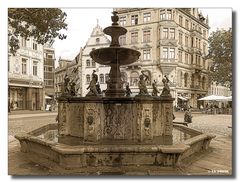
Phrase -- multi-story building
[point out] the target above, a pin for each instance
(49, 67)
(219, 90)
(172, 42)
(68, 67)
(59, 75)
(25, 76)
(97, 40)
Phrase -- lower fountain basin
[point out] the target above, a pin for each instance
(73, 152)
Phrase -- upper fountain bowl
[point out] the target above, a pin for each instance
(115, 55)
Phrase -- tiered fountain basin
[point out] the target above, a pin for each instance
(114, 132)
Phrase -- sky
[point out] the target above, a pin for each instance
(81, 22)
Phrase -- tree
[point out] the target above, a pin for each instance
(43, 24)
(220, 52)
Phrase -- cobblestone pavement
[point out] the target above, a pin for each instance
(216, 161)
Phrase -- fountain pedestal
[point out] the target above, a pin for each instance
(109, 120)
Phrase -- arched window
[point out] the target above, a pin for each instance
(88, 63)
(185, 79)
(106, 78)
(192, 81)
(181, 79)
(88, 78)
(101, 78)
(134, 78)
(203, 82)
(97, 40)
(199, 81)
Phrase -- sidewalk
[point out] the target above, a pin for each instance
(27, 114)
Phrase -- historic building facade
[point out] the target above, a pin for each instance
(49, 67)
(96, 40)
(72, 68)
(172, 42)
(25, 76)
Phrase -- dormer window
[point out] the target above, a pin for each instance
(97, 40)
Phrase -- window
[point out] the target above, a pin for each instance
(165, 33)
(34, 68)
(134, 37)
(193, 26)
(186, 58)
(186, 40)
(180, 38)
(187, 24)
(134, 19)
(97, 40)
(35, 46)
(146, 36)
(122, 21)
(162, 15)
(185, 79)
(146, 17)
(171, 53)
(88, 63)
(49, 56)
(93, 63)
(24, 66)
(101, 78)
(134, 79)
(204, 33)
(106, 78)
(122, 40)
(146, 54)
(180, 56)
(172, 33)
(169, 15)
(88, 79)
(191, 59)
(180, 20)
(48, 69)
(165, 52)
(23, 42)
(204, 49)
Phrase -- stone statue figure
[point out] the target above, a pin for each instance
(143, 78)
(188, 116)
(166, 88)
(155, 90)
(92, 86)
(128, 91)
(98, 88)
(72, 88)
(66, 83)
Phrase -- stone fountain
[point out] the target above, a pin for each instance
(115, 130)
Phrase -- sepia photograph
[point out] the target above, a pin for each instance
(120, 91)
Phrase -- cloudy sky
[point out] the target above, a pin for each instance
(81, 21)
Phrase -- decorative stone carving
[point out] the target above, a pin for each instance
(155, 90)
(62, 126)
(166, 88)
(143, 78)
(92, 86)
(92, 121)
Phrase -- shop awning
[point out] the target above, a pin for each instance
(182, 98)
(47, 97)
(213, 97)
